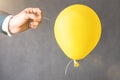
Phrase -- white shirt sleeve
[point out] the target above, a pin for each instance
(5, 25)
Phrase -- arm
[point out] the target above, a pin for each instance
(26, 19)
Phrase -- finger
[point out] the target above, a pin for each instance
(39, 15)
(31, 10)
(35, 18)
(34, 11)
(38, 18)
(28, 10)
(35, 14)
(38, 12)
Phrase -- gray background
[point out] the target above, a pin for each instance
(35, 55)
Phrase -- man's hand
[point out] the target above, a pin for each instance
(28, 18)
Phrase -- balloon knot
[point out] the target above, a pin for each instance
(76, 64)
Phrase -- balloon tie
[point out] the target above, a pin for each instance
(76, 64)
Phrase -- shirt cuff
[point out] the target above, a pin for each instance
(5, 25)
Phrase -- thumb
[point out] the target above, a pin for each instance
(33, 24)
(31, 16)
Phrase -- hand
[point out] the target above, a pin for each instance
(26, 19)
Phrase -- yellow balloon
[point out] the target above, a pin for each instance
(77, 31)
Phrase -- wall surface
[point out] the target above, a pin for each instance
(35, 55)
